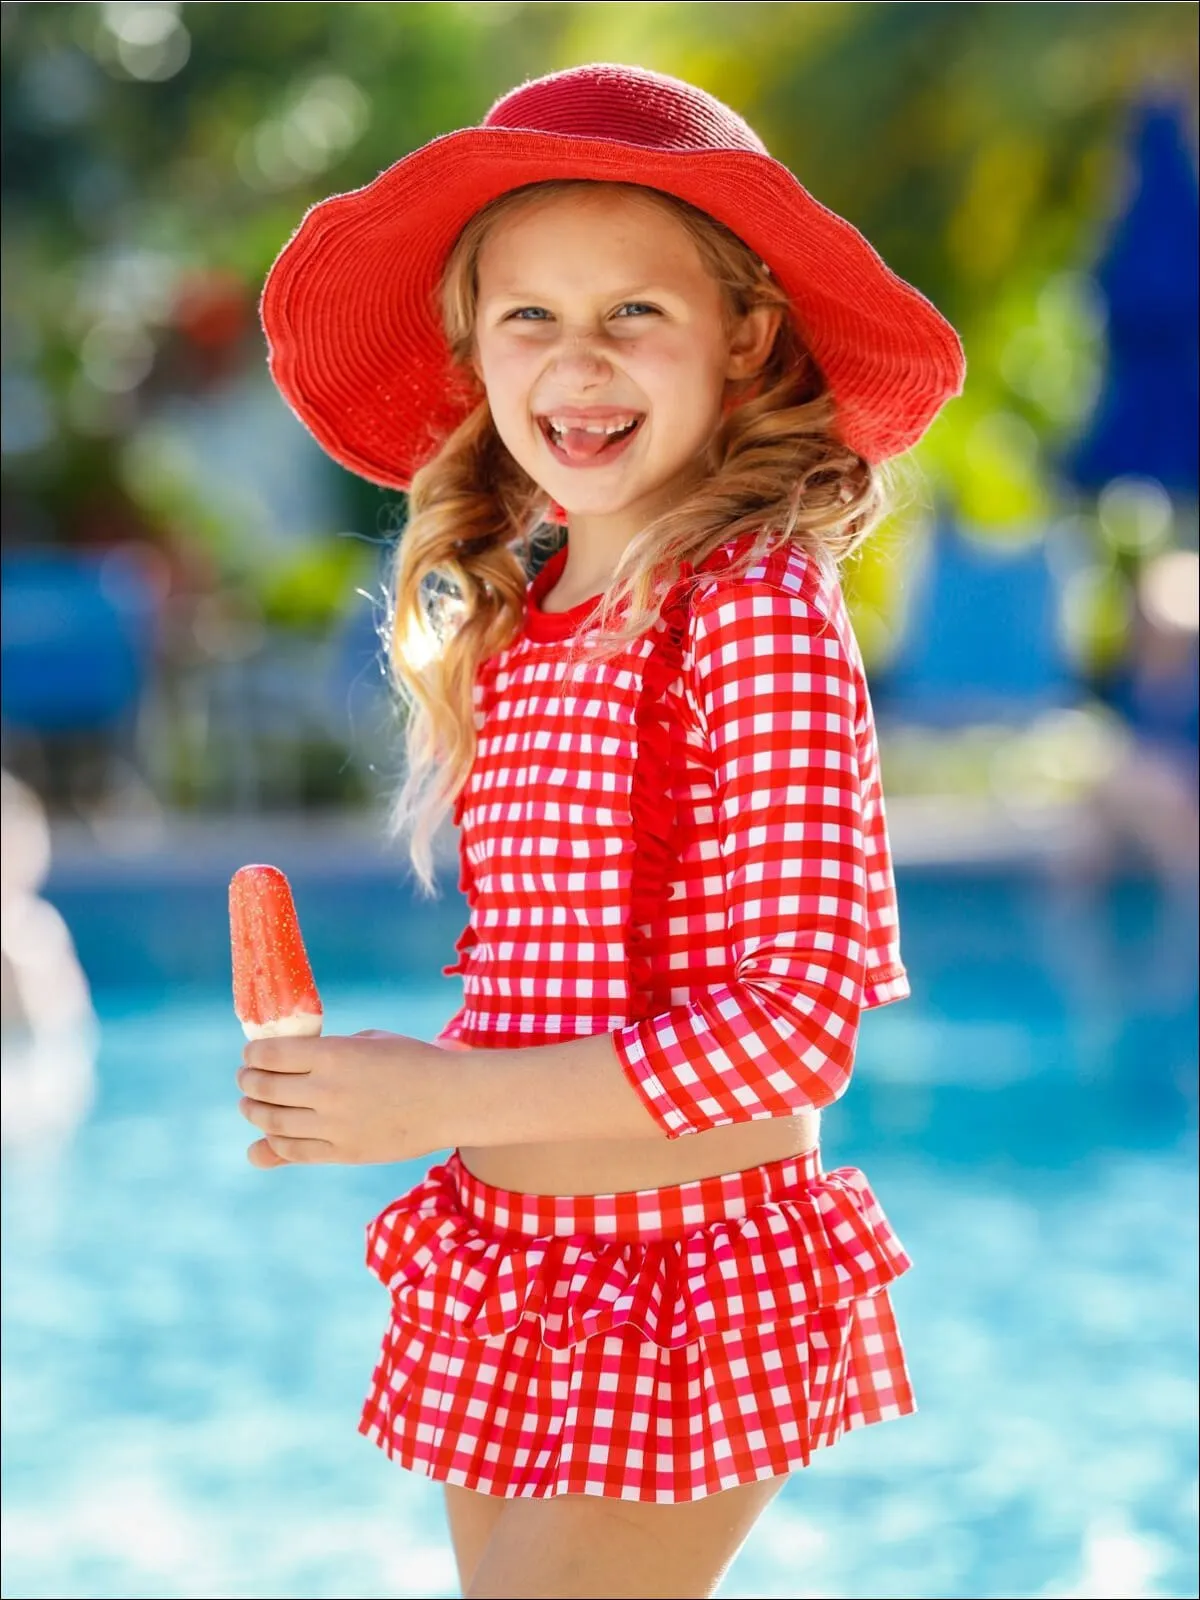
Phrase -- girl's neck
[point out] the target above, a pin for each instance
(595, 546)
(596, 543)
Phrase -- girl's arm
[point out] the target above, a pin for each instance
(574, 1089)
(386, 1097)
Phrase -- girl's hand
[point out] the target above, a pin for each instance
(371, 1097)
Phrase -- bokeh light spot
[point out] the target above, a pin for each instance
(1135, 515)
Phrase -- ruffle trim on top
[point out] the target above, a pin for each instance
(652, 805)
(827, 1245)
(652, 808)
(468, 938)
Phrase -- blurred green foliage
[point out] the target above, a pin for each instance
(157, 156)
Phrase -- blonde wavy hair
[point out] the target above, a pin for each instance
(477, 523)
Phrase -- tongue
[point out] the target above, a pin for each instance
(581, 445)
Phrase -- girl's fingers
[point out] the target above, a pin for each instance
(297, 1122)
(275, 1088)
(261, 1155)
(308, 1151)
(283, 1055)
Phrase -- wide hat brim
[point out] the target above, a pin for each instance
(352, 316)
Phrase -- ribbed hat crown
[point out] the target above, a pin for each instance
(626, 105)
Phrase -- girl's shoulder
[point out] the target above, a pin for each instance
(786, 569)
(785, 591)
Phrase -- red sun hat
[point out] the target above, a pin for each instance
(351, 306)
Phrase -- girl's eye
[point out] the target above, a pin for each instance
(631, 308)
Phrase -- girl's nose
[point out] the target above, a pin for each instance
(581, 359)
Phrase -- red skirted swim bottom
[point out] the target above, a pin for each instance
(656, 1344)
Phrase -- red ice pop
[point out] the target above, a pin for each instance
(273, 989)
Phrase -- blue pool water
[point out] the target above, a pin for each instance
(186, 1341)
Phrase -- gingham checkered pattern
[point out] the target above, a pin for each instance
(659, 1344)
(779, 925)
(663, 1344)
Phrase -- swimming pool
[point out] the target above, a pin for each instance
(186, 1341)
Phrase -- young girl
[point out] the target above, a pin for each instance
(630, 1302)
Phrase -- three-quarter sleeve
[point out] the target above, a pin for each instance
(778, 695)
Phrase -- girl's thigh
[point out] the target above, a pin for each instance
(583, 1545)
(472, 1518)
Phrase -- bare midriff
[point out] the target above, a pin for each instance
(605, 1166)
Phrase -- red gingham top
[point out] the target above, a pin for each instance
(685, 846)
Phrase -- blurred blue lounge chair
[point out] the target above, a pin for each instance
(982, 642)
(77, 634)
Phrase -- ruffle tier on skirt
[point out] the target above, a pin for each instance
(657, 1344)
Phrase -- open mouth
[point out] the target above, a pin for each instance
(579, 443)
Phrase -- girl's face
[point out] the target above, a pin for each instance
(606, 349)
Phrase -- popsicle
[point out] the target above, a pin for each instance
(273, 989)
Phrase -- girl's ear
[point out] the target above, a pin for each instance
(752, 340)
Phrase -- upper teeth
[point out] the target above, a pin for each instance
(560, 425)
